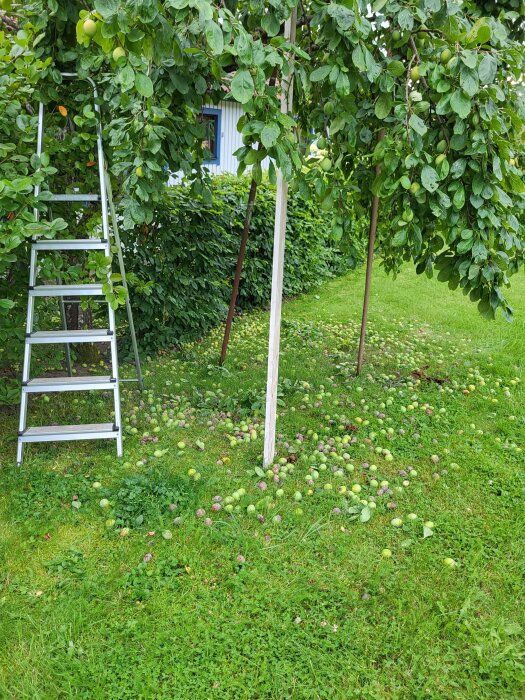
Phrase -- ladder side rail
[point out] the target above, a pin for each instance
(105, 228)
(116, 389)
(39, 150)
(26, 365)
(63, 318)
(101, 167)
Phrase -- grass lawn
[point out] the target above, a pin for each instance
(227, 582)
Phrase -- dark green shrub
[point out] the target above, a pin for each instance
(188, 255)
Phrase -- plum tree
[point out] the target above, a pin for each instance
(389, 71)
(436, 79)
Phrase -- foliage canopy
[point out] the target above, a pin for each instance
(441, 82)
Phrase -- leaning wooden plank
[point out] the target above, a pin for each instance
(281, 206)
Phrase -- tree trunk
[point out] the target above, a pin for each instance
(238, 270)
(374, 214)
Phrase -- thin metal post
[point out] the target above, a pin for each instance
(66, 346)
(124, 281)
(281, 206)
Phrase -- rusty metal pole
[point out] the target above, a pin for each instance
(238, 270)
(374, 215)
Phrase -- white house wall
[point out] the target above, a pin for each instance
(230, 141)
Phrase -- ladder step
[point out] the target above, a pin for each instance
(71, 244)
(43, 384)
(53, 433)
(66, 290)
(74, 198)
(100, 335)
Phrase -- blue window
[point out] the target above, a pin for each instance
(211, 118)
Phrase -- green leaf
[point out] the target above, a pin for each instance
(459, 197)
(342, 86)
(443, 169)
(270, 134)
(214, 37)
(429, 179)
(143, 85)
(366, 514)
(6, 304)
(442, 86)
(479, 33)
(485, 309)
(473, 271)
(516, 182)
(443, 106)
(270, 24)
(460, 104)
(373, 70)
(107, 8)
(126, 77)
(469, 81)
(418, 125)
(464, 246)
(405, 19)
(358, 58)
(458, 168)
(320, 73)
(244, 46)
(383, 106)
(205, 9)
(400, 238)
(344, 17)
(496, 168)
(242, 86)
(469, 58)
(427, 532)
(488, 68)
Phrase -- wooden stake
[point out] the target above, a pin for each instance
(281, 206)
(238, 270)
(374, 215)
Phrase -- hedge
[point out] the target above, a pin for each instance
(186, 258)
(181, 269)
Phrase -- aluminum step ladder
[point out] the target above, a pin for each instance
(109, 242)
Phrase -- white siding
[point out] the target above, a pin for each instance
(230, 141)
